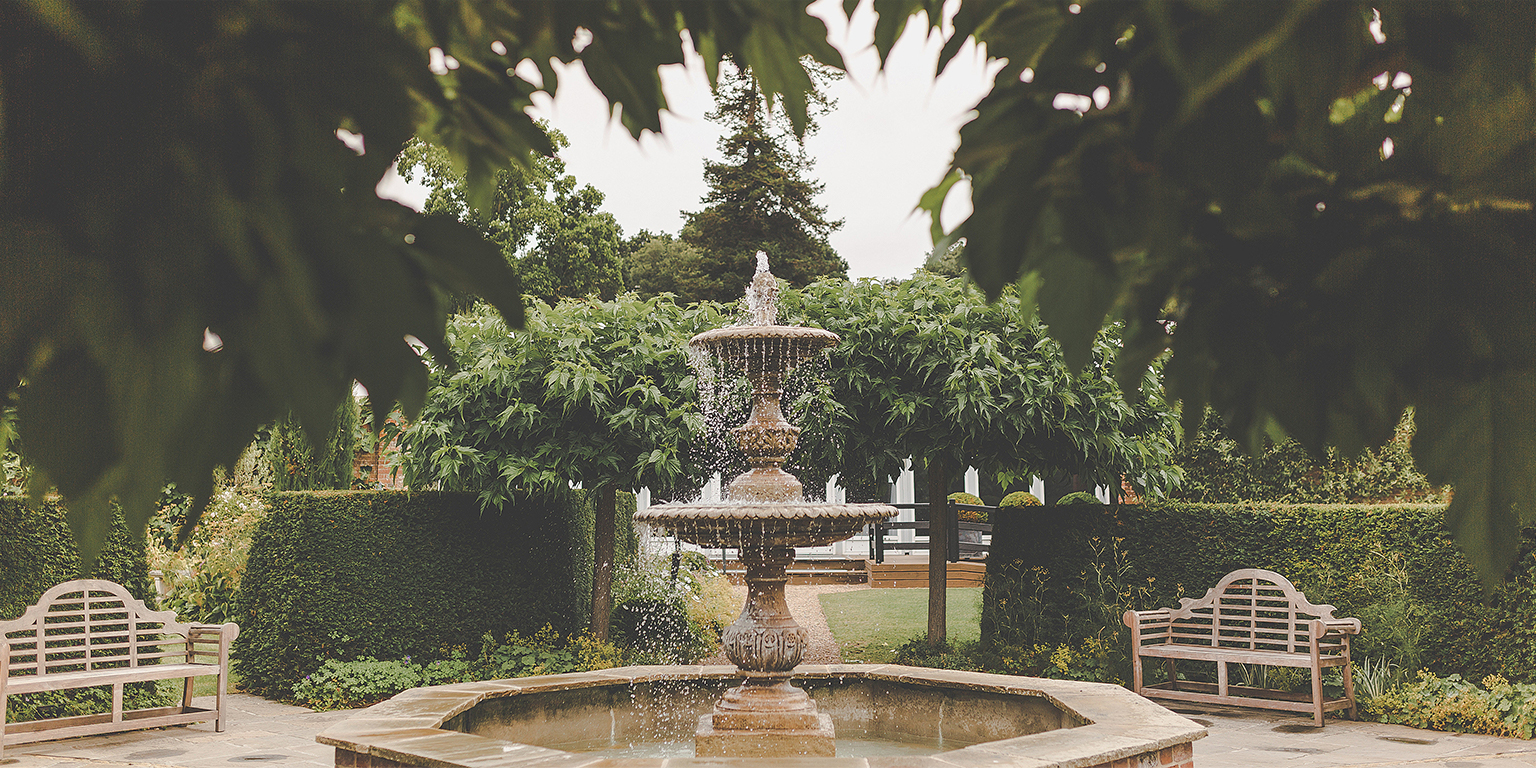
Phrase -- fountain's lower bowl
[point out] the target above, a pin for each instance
(798, 524)
(893, 714)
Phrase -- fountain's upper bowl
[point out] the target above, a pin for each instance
(768, 524)
(758, 347)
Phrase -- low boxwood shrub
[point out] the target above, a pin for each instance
(1020, 499)
(1076, 498)
(975, 516)
(389, 574)
(37, 551)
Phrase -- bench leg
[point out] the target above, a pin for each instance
(2, 715)
(1136, 674)
(186, 693)
(218, 706)
(1173, 673)
(1221, 679)
(117, 702)
(1349, 689)
(1317, 696)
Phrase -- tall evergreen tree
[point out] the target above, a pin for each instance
(761, 196)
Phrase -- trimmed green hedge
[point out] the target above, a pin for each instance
(1393, 566)
(390, 574)
(38, 551)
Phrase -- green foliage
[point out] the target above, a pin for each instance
(652, 628)
(761, 197)
(1330, 247)
(1020, 499)
(1453, 704)
(663, 264)
(14, 472)
(364, 681)
(1095, 660)
(1077, 497)
(204, 573)
(927, 368)
(38, 552)
(548, 228)
(1216, 469)
(220, 198)
(599, 393)
(664, 619)
(351, 684)
(342, 575)
(297, 465)
(944, 259)
(1392, 566)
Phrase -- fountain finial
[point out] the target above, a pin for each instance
(763, 295)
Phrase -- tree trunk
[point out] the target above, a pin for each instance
(602, 559)
(939, 533)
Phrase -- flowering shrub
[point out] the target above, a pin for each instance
(1449, 703)
(204, 573)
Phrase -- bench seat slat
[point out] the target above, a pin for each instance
(1238, 656)
(66, 680)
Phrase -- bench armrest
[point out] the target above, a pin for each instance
(1324, 627)
(1141, 621)
(223, 634)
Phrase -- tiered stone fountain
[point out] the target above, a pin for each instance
(969, 717)
(766, 516)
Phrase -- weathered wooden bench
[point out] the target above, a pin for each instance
(1251, 616)
(91, 632)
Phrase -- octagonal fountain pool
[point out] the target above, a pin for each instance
(885, 715)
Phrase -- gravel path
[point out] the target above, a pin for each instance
(805, 605)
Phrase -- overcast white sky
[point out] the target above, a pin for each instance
(889, 140)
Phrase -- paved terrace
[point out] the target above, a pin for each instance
(261, 732)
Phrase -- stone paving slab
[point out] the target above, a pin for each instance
(263, 733)
(1248, 738)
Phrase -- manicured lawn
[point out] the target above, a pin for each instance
(870, 623)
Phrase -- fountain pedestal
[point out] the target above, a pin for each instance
(765, 716)
(766, 517)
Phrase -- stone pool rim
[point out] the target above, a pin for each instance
(407, 729)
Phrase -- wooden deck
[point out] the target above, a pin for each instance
(911, 571)
(818, 571)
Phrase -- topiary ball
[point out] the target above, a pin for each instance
(1020, 499)
(975, 516)
(1079, 497)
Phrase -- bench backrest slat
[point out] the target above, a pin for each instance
(91, 624)
(1251, 609)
